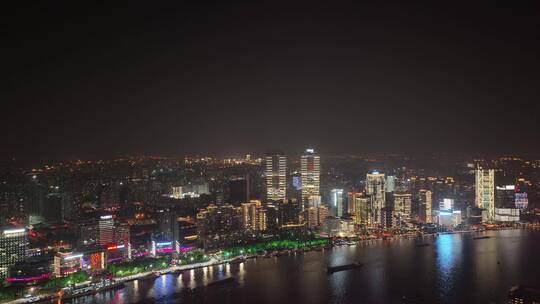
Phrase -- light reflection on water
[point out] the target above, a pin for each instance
(454, 269)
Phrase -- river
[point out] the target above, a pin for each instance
(454, 268)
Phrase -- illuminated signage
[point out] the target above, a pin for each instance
(507, 187)
(106, 217)
(114, 247)
(71, 257)
(164, 244)
(13, 231)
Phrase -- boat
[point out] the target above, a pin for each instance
(222, 282)
(332, 269)
(481, 237)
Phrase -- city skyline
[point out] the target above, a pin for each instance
(270, 152)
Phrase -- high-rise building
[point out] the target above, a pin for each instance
(312, 215)
(375, 182)
(505, 204)
(310, 169)
(336, 207)
(238, 190)
(390, 185)
(402, 207)
(253, 216)
(106, 230)
(219, 226)
(323, 213)
(362, 209)
(167, 225)
(351, 198)
(426, 205)
(276, 176)
(485, 191)
(51, 208)
(13, 247)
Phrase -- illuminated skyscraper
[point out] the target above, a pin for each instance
(310, 170)
(106, 230)
(336, 207)
(13, 246)
(276, 174)
(362, 209)
(375, 188)
(485, 191)
(253, 215)
(402, 207)
(351, 201)
(426, 204)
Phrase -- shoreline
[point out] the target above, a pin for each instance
(244, 257)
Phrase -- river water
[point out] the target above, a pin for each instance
(455, 268)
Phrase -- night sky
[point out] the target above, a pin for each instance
(183, 78)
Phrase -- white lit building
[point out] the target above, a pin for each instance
(13, 247)
(106, 230)
(402, 207)
(426, 204)
(276, 176)
(375, 187)
(485, 191)
(336, 196)
(310, 170)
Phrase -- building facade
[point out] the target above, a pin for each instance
(310, 169)
(276, 176)
(485, 191)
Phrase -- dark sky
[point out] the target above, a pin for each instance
(172, 78)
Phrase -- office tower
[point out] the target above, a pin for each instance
(238, 190)
(336, 207)
(485, 191)
(323, 214)
(426, 205)
(362, 210)
(276, 176)
(106, 230)
(402, 207)
(505, 196)
(505, 204)
(310, 170)
(13, 247)
(375, 182)
(167, 225)
(351, 198)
